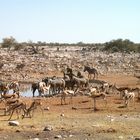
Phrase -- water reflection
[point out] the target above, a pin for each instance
(26, 90)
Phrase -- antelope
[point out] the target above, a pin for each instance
(32, 107)
(16, 106)
(66, 93)
(8, 103)
(94, 94)
(6, 96)
(128, 95)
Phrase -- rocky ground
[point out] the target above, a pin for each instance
(75, 121)
(25, 65)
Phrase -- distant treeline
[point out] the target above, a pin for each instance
(118, 45)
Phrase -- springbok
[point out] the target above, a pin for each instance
(66, 93)
(18, 106)
(32, 107)
(94, 94)
(128, 95)
(41, 86)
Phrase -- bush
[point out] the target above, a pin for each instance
(120, 45)
(8, 42)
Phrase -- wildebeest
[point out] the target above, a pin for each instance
(91, 71)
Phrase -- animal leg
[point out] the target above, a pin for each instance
(34, 92)
(11, 114)
(94, 76)
(126, 102)
(94, 105)
(105, 102)
(61, 100)
(71, 99)
(65, 100)
(17, 112)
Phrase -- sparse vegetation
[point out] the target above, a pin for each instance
(118, 45)
(8, 42)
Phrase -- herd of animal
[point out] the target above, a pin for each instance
(13, 102)
(69, 85)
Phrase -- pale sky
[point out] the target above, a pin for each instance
(70, 21)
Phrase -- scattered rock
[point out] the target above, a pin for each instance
(35, 139)
(137, 138)
(17, 130)
(120, 137)
(1, 129)
(47, 108)
(62, 115)
(13, 123)
(32, 126)
(58, 137)
(65, 136)
(37, 134)
(74, 108)
(125, 116)
(48, 128)
(70, 136)
(111, 130)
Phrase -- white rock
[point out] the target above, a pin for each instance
(62, 115)
(120, 137)
(35, 139)
(48, 128)
(13, 123)
(48, 108)
(70, 136)
(58, 137)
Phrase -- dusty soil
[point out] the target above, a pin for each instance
(78, 121)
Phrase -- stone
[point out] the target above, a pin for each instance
(70, 136)
(137, 138)
(13, 123)
(62, 115)
(47, 108)
(58, 137)
(48, 128)
(120, 137)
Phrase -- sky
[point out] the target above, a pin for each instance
(70, 21)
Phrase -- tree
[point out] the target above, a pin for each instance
(120, 45)
(8, 42)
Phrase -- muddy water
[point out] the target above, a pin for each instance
(26, 90)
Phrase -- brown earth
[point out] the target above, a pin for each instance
(78, 121)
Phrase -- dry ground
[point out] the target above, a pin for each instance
(78, 121)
